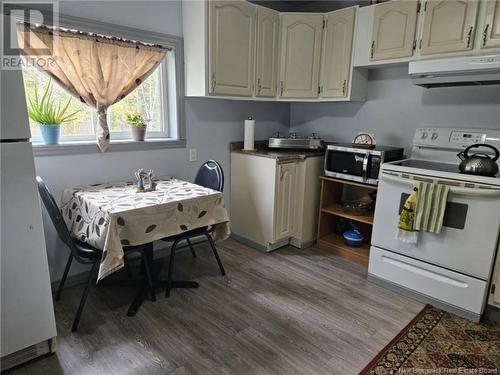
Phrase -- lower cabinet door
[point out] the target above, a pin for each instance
(285, 200)
(495, 285)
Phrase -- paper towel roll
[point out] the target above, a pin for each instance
(248, 143)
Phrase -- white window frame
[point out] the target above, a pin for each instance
(172, 95)
(125, 135)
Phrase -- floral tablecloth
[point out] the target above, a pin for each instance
(110, 216)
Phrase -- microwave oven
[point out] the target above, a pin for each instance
(358, 164)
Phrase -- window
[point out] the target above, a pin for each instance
(149, 99)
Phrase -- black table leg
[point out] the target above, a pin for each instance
(157, 283)
(143, 292)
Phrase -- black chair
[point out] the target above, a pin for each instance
(210, 175)
(84, 253)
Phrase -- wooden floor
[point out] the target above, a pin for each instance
(288, 312)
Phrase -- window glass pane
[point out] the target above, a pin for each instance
(145, 99)
(80, 126)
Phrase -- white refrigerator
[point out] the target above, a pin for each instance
(27, 314)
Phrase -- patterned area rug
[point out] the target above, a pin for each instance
(437, 342)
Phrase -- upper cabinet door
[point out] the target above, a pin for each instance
(491, 28)
(448, 26)
(300, 55)
(268, 22)
(337, 50)
(231, 47)
(394, 26)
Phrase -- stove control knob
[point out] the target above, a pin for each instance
(434, 136)
(424, 135)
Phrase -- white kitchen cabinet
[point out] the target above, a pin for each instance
(385, 33)
(393, 35)
(337, 51)
(268, 30)
(232, 28)
(219, 48)
(448, 26)
(490, 31)
(301, 35)
(274, 203)
(494, 295)
(238, 50)
(285, 200)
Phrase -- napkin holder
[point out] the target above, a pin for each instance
(145, 181)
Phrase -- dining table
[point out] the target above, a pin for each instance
(114, 215)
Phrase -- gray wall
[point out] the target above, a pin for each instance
(395, 108)
(210, 124)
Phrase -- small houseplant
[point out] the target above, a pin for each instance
(138, 125)
(49, 115)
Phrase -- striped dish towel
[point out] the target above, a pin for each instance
(430, 207)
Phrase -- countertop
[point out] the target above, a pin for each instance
(262, 150)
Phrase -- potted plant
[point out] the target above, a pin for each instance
(49, 115)
(138, 125)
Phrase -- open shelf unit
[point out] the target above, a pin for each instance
(331, 211)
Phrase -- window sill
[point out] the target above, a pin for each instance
(90, 147)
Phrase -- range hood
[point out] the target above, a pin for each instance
(457, 71)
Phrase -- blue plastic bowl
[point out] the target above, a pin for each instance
(353, 238)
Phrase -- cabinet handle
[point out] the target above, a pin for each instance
(469, 36)
(372, 49)
(213, 82)
(485, 34)
(281, 88)
(259, 86)
(344, 85)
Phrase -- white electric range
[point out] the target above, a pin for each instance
(451, 270)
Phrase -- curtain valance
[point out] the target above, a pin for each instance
(98, 70)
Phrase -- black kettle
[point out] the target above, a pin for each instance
(479, 163)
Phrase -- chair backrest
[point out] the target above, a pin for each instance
(210, 175)
(56, 217)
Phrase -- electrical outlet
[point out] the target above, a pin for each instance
(193, 154)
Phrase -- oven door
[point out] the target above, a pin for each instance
(345, 163)
(469, 237)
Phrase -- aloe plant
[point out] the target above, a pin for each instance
(46, 110)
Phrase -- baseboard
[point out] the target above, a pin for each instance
(424, 298)
(81, 277)
(27, 354)
(295, 242)
(492, 314)
(257, 246)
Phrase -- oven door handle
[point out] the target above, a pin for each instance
(477, 192)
